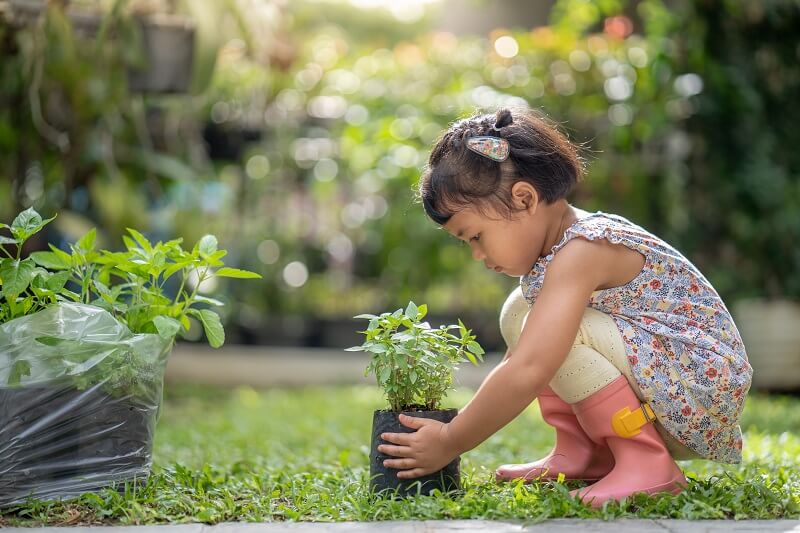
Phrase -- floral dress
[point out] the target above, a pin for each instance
(684, 349)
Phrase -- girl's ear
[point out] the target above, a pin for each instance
(524, 196)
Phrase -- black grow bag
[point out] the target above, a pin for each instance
(60, 442)
(384, 480)
(79, 402)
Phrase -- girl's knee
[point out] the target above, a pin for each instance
(512, 317)
(583, 372)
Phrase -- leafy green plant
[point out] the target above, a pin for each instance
(412, 361)
(25, 287)
(131, 284)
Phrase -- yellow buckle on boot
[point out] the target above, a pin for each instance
(627, 423)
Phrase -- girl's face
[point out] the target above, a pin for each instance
(509, 246)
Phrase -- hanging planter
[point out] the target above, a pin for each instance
(168, 54)
(414, 365)
(165, 41)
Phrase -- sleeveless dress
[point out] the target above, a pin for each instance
(684, 349)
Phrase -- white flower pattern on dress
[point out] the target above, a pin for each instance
(684, 349)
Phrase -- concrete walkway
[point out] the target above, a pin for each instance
(461, 526)
(274, 366)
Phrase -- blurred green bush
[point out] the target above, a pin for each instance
(319, 119)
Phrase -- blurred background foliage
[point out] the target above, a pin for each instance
(305, 125)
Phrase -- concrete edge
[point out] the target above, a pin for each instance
(265, 366)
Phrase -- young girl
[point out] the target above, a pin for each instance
(632, 354)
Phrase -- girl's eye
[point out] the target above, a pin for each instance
(476, 238)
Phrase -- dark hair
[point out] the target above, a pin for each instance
(539, 154)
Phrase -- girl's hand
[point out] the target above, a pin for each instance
(425, 451)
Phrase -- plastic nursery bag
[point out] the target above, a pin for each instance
(79, 401)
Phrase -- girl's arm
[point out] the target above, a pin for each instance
(544, 343)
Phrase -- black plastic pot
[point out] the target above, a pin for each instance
(383, 479)
(60, 442)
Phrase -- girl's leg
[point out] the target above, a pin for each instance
(599, 331)
(612, 413)
(575, 455)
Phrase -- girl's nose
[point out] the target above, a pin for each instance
(477, 253)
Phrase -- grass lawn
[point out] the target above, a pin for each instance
(243, 454)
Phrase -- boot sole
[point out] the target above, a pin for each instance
(539, 479)
(674, 487)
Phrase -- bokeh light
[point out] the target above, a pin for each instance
(506, 46)
(295, 274)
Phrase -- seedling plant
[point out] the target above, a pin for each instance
(412, 361)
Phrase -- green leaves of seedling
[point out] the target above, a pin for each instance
(129, 284)
(167, 327)
(27, 223)
(412, 361)
(16, 275)
(211, 325)
(207, 245)
(235, 273)
(52, 260)
(146, 266)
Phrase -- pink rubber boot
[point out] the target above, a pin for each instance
(615, 416)
(574, 454)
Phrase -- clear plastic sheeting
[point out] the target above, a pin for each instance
(79, 400)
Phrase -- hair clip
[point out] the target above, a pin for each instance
(494, 148)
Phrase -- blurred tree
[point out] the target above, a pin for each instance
(685, 115)
(745, 165)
